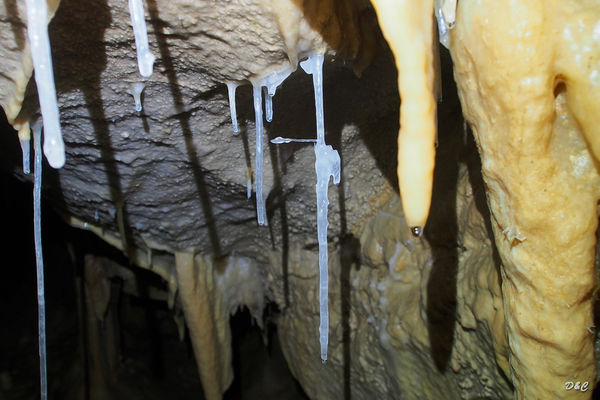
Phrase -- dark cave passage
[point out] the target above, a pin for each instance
(139, 339)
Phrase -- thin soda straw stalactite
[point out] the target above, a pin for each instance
(144, 55)
(260, 201)
(39, 258)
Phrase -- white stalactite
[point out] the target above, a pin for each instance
(327, 164)
(39, 258)
(280, 140)
(136, 91)
(144, 55)
(268, 107)
(25, 147)
(231, 87)
(37, 31)
(260, 201)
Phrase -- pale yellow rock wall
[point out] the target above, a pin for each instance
(525, 73)
(408, 321)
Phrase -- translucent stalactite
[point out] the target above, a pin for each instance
(37, 31)
(25, 146)
(136, 91)
(144, 55)
(37, 227)
(327, 164)
(260, 201)
(231, 87)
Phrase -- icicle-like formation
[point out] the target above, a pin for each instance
(445, 12)
(280, 140)
(136, 91)
(231, 87)
(273, 80)
(37, 228)
(37, 31)
(327, 164)
(144, 55)
(314, 66)
(25, 141)
(268, 107)
(249, 187)
(260, 201)
(25, 145)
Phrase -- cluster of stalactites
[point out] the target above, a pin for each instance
(54, 150)
(327, 165)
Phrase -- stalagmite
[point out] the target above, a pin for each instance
(39, 258)
(231, 87)
(37, 32)
(327, 164)
(408, 28)
(260, 201)
(144, 55)
(136, 91)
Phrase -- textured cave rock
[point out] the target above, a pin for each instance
(410, 318)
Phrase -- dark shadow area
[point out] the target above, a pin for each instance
(276, 199)
(151, 361)
(479, 194)
(80, 67)
(349, 251)
(260, 369)
(165, 59)
(347, 26)
(349, 256)
(345, 96)
(441, 230)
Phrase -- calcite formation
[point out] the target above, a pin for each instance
(527, 78)
(487, 303)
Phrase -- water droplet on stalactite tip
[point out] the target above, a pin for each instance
(417, 231)
(136, 91)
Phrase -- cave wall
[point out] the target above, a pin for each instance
(410, 317)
